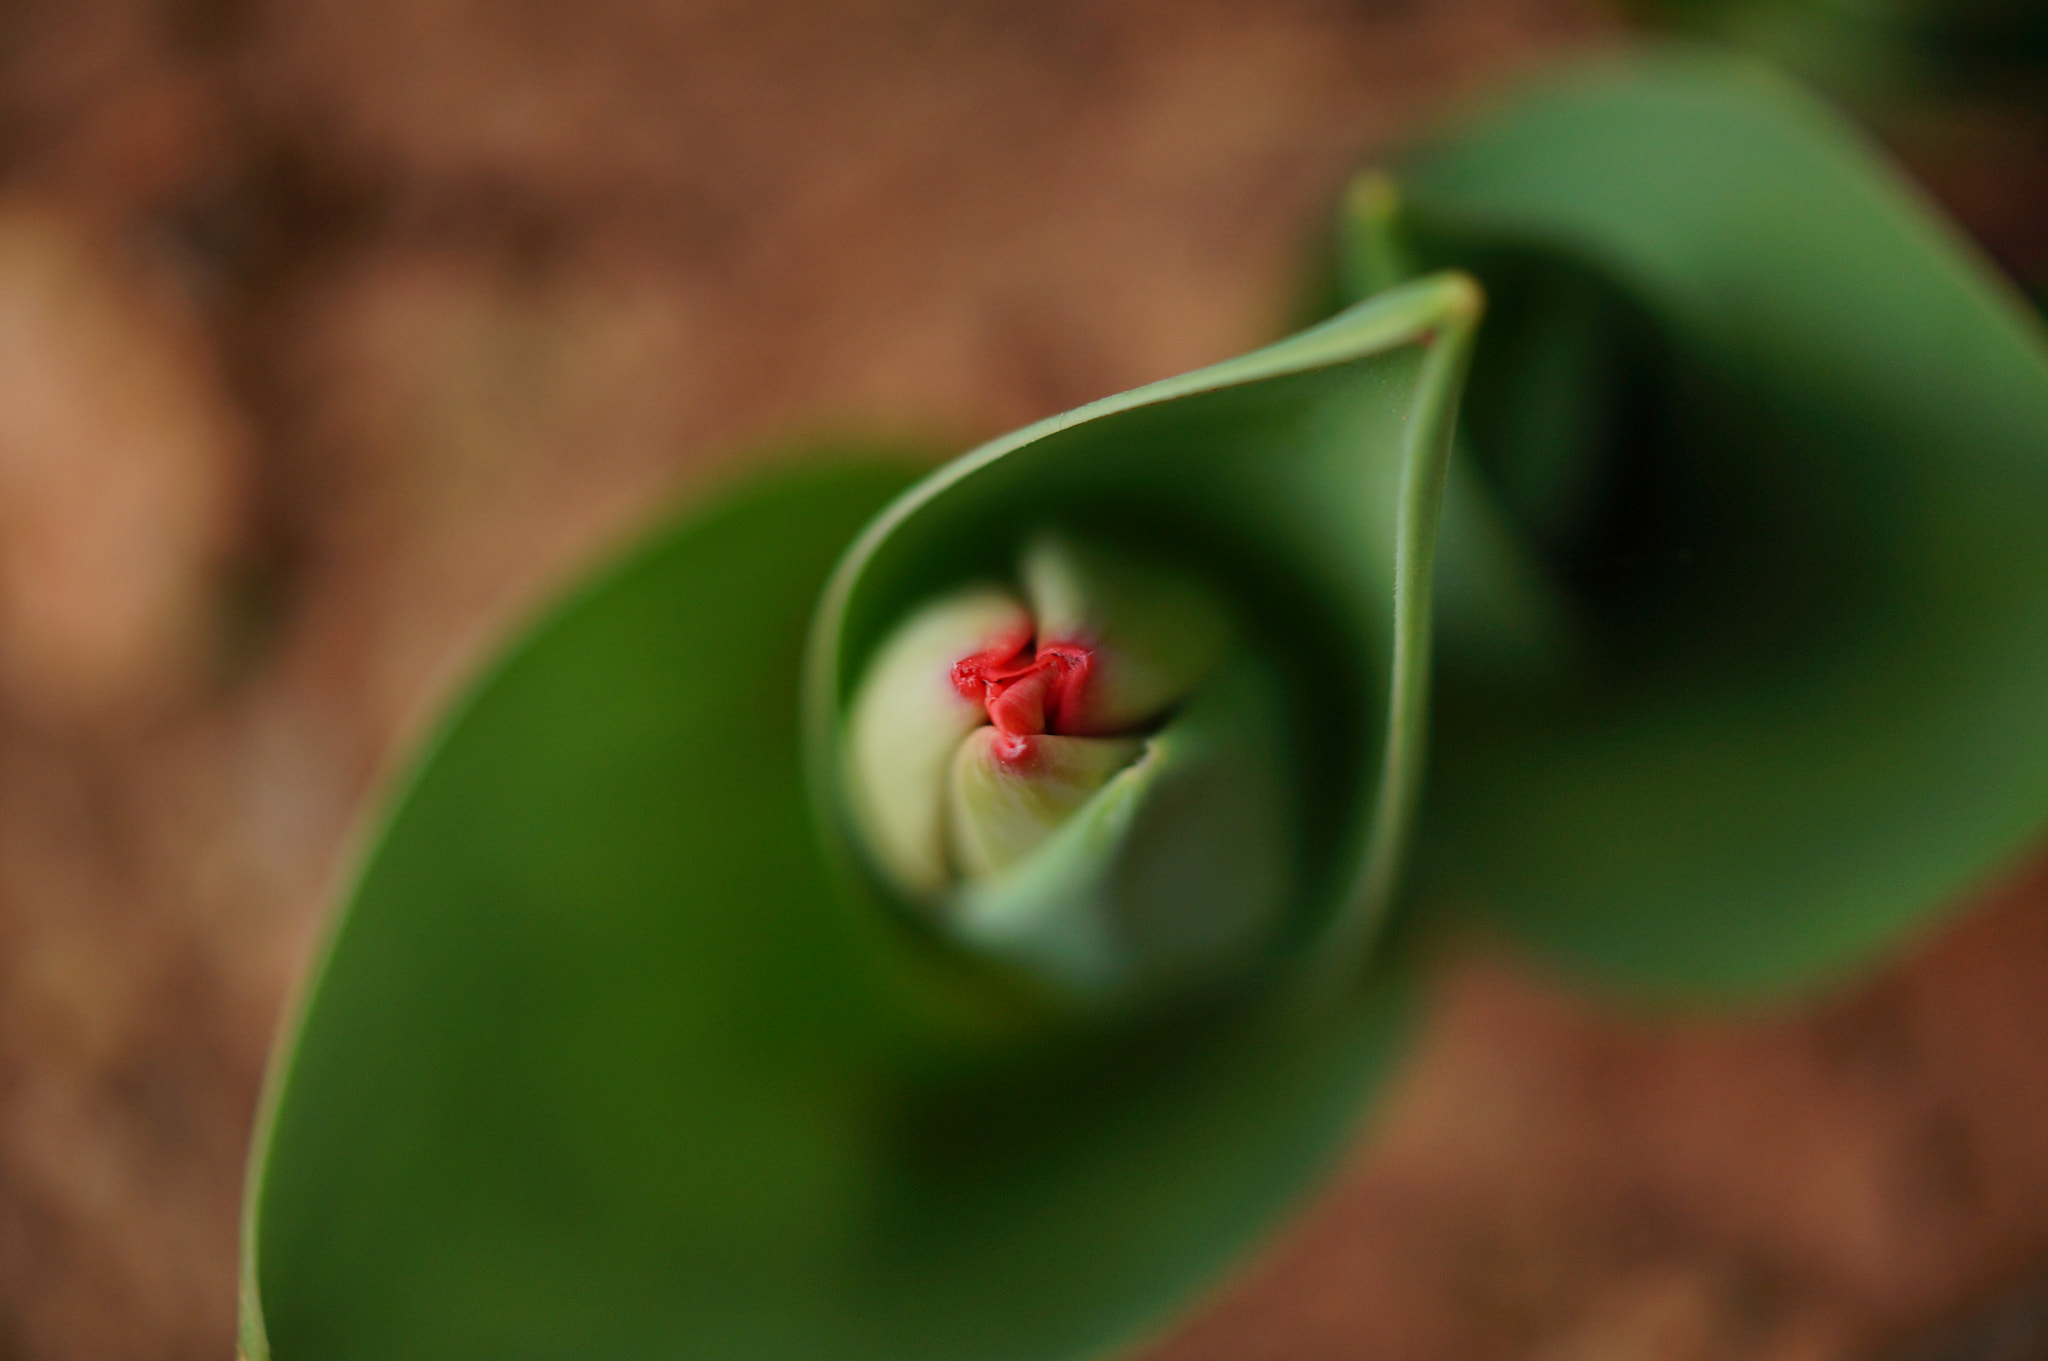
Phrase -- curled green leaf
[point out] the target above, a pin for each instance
(1310, 475)
(608, 1054)
(1776, 440)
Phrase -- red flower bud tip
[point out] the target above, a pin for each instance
(1017, 705)
(1025, 695)
(1005, 658)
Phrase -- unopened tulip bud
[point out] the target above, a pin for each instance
(1081, 780)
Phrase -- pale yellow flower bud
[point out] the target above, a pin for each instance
(908, 720)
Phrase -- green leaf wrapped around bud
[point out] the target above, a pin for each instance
(1070, 780)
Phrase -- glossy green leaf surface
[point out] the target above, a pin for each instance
(1781, 439)
(1305, 480)
(601, 1062)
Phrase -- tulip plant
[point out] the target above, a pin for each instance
(953, 917)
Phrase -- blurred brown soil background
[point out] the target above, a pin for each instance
(335, 333)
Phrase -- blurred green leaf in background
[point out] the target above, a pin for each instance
(1883, 52)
